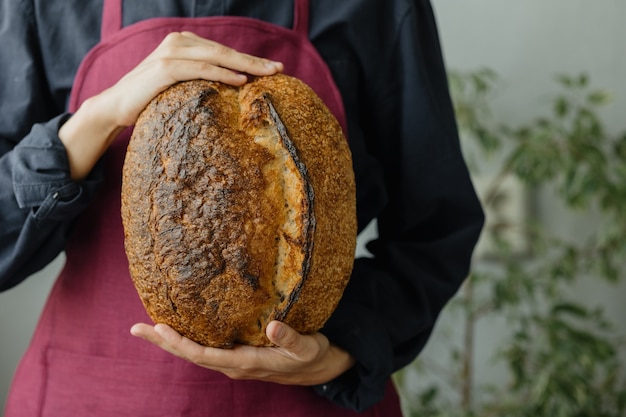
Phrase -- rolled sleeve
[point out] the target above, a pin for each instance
(38, 202)
(41, 175)
(40, 166)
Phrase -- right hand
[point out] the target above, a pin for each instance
(180, 57)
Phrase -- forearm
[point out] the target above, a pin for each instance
(87, 135)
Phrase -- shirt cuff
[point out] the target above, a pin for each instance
(354, 328)
(41, 173)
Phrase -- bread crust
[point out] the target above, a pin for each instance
(239, 207)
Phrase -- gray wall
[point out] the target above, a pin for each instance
(526, 42)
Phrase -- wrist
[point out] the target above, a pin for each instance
(86, 136)
(345, 361)
(338, 362)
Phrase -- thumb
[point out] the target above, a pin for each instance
(289, 340)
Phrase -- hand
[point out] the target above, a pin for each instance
(180, 57)
(296, 359)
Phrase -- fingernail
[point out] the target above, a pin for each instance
(279, 330)
(273, 65)
(135, 330)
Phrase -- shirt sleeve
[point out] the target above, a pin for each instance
(38, 200)
(427, 226)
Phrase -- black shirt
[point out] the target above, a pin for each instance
(411, 177)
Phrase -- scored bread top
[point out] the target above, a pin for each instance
(238, 207)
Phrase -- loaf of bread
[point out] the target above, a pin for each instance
(239, 207)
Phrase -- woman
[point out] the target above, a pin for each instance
(63, 135)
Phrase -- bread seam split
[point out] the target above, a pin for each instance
(309, 217)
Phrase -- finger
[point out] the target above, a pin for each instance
(160, 335)
(227, 57)
(187, 46)
(184, 70)
(224, 360)
(191, 66)
(181, 346)
(143, 331)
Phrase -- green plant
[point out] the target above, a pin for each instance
(562, 355)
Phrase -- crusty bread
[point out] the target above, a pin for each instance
(238, 207)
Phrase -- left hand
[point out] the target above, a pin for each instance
(295, 360)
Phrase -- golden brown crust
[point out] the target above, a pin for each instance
(238, 207)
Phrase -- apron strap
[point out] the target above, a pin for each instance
(301, 17)
(111, 18)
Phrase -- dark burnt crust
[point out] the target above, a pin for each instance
(309, 215)
(311, 283)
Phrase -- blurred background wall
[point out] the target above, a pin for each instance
(526, 42)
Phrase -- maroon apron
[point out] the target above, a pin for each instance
(82, 360)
